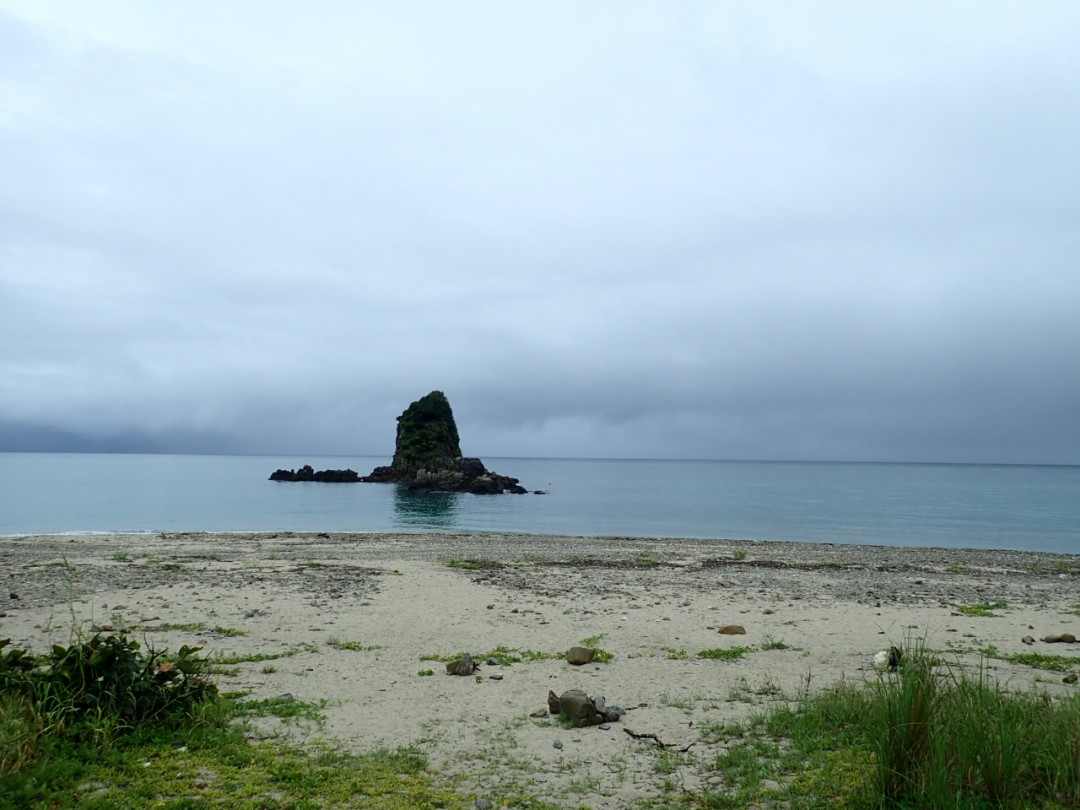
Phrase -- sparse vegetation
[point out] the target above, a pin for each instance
(982, 610)
(472, 565)
(924, 739)
(725, 653)
(352, 646)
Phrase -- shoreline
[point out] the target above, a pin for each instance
(354, 619)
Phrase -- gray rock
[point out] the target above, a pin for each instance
(1028, 640)
(575, 706)
(557, 744)
(580, 655)
(461, 666)
(484, 804)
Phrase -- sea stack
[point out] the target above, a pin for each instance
(427, 454)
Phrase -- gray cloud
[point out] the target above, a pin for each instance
(821, 232)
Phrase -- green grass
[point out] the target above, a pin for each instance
(287, 709)
(258, 657)
(1054, 663)
(600, 655)
(933, 737)
(981, 610)
(503, 656)
(105, 724)
(675, 653)
(228, 632)
(771, 643)
(352, 646)
(725, 653)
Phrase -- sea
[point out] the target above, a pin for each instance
(1027, 508)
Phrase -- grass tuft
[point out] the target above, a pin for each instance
(725, 653)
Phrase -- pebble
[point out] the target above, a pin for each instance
(557, 744)
(732, 630)
(604, 726)
(484, 804)
(496, 677)
(1028, 640)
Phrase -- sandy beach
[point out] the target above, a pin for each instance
(354, 619)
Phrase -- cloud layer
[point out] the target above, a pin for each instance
(704, 230)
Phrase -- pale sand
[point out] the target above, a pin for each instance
(833, 607)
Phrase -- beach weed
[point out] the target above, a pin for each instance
(473, 565)
(980, 610)
(286, 708)
(725, 653)
(600, 655)
(675, 654)
(771, 643)
(228, 632)
(1054, 663)
(351, 646)
(256, 657)
(739, 555)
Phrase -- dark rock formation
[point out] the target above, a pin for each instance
(427, 455)
(306, 473)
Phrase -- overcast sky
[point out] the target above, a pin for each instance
(760, 230)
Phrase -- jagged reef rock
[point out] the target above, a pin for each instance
(307, 473)
(427, 454)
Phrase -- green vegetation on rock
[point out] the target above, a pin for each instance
(427, 436)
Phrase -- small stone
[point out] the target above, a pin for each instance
(493, 662)
(1051, 639)
(604, 727)
(1028, 640)
(557, 744)
(496, 677)
(1068, 638)
(13, 595)
(484, 804)
(1070, 678)
(539, 713)
(732, 630)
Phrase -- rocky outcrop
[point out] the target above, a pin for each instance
(307, 473)
(427, 455)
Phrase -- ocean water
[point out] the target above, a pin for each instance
(950, 506)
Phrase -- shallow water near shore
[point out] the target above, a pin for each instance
(949, 506)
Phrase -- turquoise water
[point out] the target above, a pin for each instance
(952, 506)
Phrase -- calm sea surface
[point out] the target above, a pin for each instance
(952, 506)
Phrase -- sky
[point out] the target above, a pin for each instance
(735, 230)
